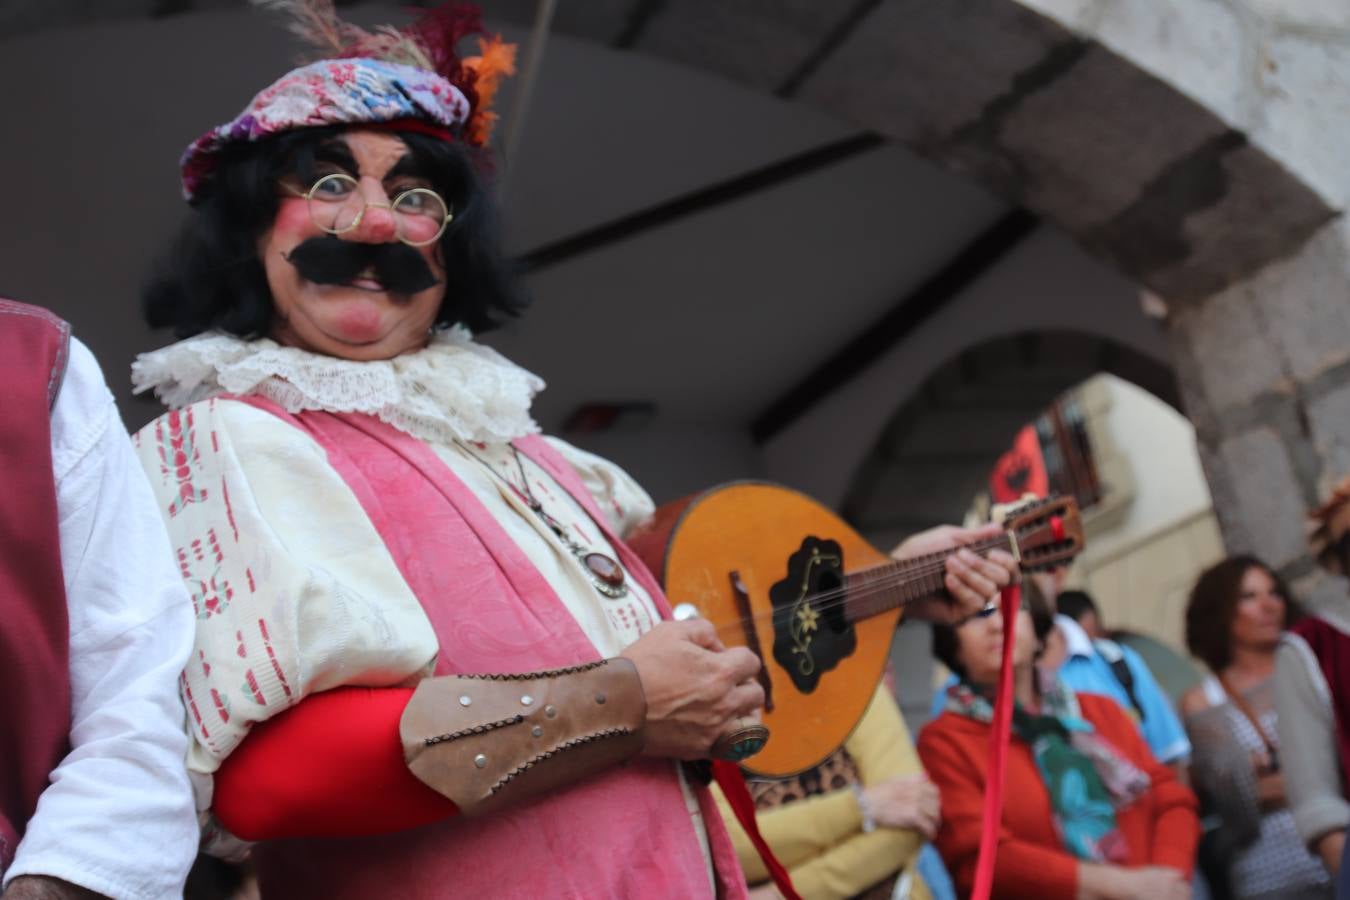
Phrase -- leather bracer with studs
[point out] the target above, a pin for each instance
(489, 741)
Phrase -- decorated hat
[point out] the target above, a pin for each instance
(406, 77)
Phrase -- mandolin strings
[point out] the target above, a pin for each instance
(906, 570)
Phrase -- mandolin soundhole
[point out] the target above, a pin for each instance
(811, 633)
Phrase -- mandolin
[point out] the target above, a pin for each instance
(778, 573)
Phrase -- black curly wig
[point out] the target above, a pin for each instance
(213, 278)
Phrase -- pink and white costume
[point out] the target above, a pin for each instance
(353, 523)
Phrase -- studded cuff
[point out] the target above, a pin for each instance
(489, 741)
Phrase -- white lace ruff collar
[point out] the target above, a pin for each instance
(453, 389)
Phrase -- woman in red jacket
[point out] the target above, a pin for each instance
(1088, 814)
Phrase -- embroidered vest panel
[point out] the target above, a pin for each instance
(34, 623)
(623, 833)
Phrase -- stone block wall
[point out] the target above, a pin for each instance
(1263, 361)
(1264, 371)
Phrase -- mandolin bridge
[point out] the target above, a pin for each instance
(743, 609)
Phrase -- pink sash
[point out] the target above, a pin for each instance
(623, 833)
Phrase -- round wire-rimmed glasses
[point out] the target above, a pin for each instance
(337, 206)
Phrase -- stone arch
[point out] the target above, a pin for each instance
(1192, 146)
(1124, 128)
(1161, 135)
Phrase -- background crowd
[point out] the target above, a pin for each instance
(1235, 790)
(351, 247)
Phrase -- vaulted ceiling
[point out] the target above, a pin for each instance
(722, 255)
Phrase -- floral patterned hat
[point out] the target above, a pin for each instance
(407, 78)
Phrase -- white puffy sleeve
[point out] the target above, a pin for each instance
(293, 590)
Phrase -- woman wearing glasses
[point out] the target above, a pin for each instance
(1088, 812)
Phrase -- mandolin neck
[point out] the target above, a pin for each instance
(882, 588)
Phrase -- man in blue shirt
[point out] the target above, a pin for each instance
(1106, 667)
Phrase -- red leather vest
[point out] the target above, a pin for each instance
(34, 626)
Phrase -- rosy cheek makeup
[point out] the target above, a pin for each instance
(293, 223)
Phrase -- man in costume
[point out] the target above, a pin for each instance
(1312, 695)
(377, 541)
(94, 631)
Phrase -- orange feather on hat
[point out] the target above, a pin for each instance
(496, 60)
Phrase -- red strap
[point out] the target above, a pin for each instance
(998, 751)
(729, 778)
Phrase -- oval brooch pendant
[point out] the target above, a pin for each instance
(606, 574)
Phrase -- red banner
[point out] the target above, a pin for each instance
(1020, 471)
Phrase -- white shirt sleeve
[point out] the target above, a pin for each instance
(118, 815)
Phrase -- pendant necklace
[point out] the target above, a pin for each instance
(603, 570)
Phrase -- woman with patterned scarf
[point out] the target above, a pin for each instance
(1089, 813)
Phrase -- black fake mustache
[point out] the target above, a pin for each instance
(330, 260)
